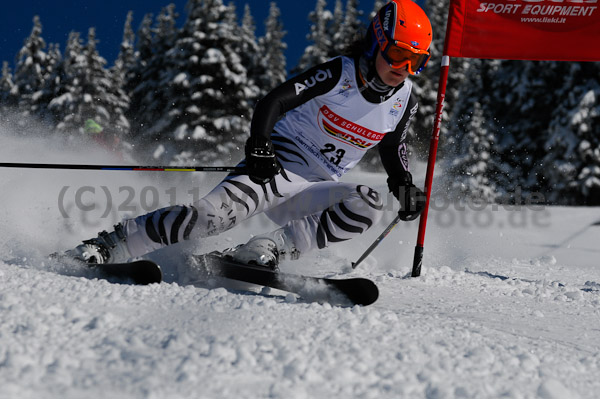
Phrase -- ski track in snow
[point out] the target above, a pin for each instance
(451, 333)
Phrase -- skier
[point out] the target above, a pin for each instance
(107, 140)
(304, 135)
(92, 127)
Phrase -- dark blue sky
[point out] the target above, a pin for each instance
(59, 17)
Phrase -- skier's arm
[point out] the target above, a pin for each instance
(293, 93)
(393, 152)
(393, 147)
(261, 161)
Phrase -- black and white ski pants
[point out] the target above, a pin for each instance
(315, 214)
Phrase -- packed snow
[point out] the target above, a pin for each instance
(508, 303)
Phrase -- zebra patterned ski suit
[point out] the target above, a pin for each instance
(320, 123)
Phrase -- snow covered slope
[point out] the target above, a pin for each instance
(508, 304)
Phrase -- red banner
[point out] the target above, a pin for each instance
(559, 30)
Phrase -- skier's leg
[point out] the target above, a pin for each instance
(235, 199)
(323, 214)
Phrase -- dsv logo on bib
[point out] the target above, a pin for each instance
(320, 76)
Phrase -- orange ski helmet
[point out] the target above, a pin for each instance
(402, 31)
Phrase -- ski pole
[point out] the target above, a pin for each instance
(124, 167)
(377, 241)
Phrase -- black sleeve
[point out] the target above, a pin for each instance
(293, 93)
(393, 147)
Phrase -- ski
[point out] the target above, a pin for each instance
(141, 272)
(348, 291)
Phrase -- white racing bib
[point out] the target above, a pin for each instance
(338, 127)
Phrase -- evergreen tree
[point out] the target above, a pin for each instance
(542, 144)
(272, 47)
(350, 29)
(426, 84)
(250, 55)
(31, 68)
(571, 165)
(209, 114)
(8, 90)
(149, 94)
(64, 107)
(521, 105)
(89, 91)
(142, 79)
(146, 33)
(470, 177)
(126, 59)
(109, 102)
(53, 76)
(334, 26)
(248, 45)
(472, 167)
(320, 49)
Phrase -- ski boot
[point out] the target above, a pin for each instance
(106, 248)
(265, 250)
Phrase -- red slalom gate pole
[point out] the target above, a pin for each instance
(435, 138)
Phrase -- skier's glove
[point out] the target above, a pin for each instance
(411, 198)
(261, 162)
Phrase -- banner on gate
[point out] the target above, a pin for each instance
(559, 30)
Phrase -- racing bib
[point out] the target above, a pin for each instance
(337, 128)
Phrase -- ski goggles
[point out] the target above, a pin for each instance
(399, 55)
